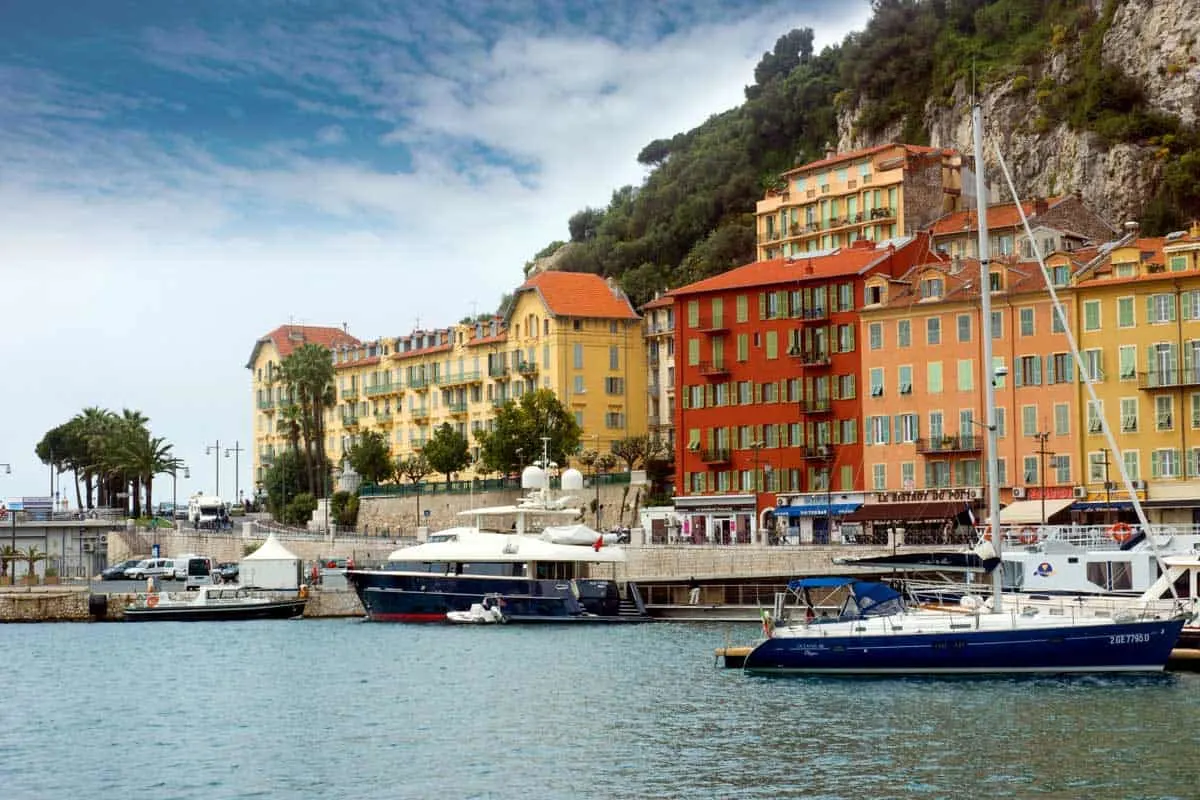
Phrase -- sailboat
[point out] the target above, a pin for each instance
(876, 633)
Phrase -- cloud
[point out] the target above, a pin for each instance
(149, 237)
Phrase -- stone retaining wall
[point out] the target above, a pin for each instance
(324, 602)
(44, 604)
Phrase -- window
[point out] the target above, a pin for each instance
(1027, 371)
(933, 377)
(845, 386)
(878, 430)
(1001, 472)
(772, 344)
(1164, 463)
(1062, 419)
(1001, 422)
(1056, 320)
(1163, 417)
(614, 419)
(693, 313)
(849, 431)
(999, 381)
(743, 347)
(1060, 368)
(1028, 420)
(1127, 358)
(1030, 470)
(1160, 308)
(1132, 464)
(904, 382)
(1062, 468)
(872, 295)
(1196, 410)
(936, 427)
(933, 330)
(1060, 275)
(1092, 362)
(846, 297)
(1026, 321)
(614, 385)
(1091, 315)
(932, 288)
(693, 352)
(997, 324)
(1095, 416)
(1097, 467)
(966, 374)
(875, 335)
(578, 384)
(1125, 318)
(578, 355)
(879, 477)
(995, 281)
(908, 475)
(906, 428)
(904, 333)
(964, 327)
(614, 357)
(877, 382)
(743, 308)
(1177, 263)
(717, 310)
(845, 338)
(770, 392)
(745, 393)
(1191, 304)
(1129, 415)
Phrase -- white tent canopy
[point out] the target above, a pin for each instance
(1029, 512)
(271, 566)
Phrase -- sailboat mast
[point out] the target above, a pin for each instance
(985, 332)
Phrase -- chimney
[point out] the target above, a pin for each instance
(1039, 206)
(830, 150)
(612, 286)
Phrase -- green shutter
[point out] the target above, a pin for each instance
(1153, 463)
(1037, 370)
(1050, 369)
(1150, 308)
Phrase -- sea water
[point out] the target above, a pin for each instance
(347, 709)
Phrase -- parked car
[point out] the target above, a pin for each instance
(180, 512)
(163, 568)
(116, 572)
(228, 570)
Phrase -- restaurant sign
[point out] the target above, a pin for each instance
(947, 494)
(1050, 493)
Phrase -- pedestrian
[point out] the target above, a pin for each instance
(694, 593)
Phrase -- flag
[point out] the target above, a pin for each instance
(599, 543)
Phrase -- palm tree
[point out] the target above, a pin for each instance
(307, 374)
(90, 425)
(145, 456)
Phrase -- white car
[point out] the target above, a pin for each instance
(152, 568)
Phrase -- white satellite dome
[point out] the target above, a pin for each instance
(533, 478)
(572, 480)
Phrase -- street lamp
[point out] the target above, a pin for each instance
(211, 450)
(236, 449)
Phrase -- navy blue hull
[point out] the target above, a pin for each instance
(426, 597)
(1116, 647)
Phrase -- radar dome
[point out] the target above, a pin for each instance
(572, 480)
(533, 478)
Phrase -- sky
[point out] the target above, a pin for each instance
(179, 177)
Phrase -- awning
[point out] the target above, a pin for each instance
(908, 512)
(822, 510)
(1100, 505)
(1029, 512)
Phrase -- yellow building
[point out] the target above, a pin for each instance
(1138, 326)
(878, 193)
(572, 333)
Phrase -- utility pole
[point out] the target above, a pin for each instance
(236, 449)
(211, 450)
(757, 446)
(1041, 437)
(1107, 489)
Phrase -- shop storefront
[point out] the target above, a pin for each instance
(717, 519)
(814, 519)
(918, 516)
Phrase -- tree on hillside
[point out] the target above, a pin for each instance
(371, 458)
(415, 468)
(447, 450)
(516, 439)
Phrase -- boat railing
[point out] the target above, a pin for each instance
(1088, 537)
(945, 595)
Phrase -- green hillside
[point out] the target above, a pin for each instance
(693, 215)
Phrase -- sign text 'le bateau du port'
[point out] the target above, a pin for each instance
(931, 495)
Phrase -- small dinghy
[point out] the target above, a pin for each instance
(488, 612)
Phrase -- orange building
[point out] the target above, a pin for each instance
(924, 438)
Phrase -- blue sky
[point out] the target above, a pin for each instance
(179, 177)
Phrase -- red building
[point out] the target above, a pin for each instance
(768, 394)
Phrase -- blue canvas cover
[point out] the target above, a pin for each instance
(819, 583)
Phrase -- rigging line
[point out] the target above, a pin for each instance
(1109, 437)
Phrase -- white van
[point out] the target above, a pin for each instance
(194, 570)
(162, 568)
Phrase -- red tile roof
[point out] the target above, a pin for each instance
(666, 301)
(866, 151)
(579, 294)
(839, 263)
(1001, 216)
(287, 338)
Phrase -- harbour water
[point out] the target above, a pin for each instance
(346, 709)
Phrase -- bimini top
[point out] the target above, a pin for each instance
(866, 599)
(471, 545)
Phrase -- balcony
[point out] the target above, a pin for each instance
(419, 383)
(811, 358)
(717, 456)
(653, 421)
(349, 394)
(713, 369)
(819, 452)
(816, 405)
(654, 388)
(1169, 378)
(527, 368)
(417, 443)
(419, 413)
(383, 417)
(950, 444)
(713, 326)
(498, 371)
(498, 402)
(349, 420)
(814, 314)
(457, 407)
(461, 379)
(266, 405)
(380, 388)
(660, 328)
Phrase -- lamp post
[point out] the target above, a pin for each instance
(236, 449)
(211, 450)
(175, 488)
(756, 448)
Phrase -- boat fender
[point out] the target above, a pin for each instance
(152, 601)
(303, 592)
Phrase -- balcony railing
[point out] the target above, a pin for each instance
(654, 388)
(716, 456)
(1169, 378)
(814, 314)
(383, 416)
(456, 407)
(419, 413)
(266, 405)
(498, 371)
(418, 383)
(497, 402)
(818, 405)
(349, 394)
(653, 420)
(950, 444)
(466, 377)
(713, 326)
(380, 388)
(713, 368)
(816, 452)
(349, 420)
(527, 368)
(811, 358)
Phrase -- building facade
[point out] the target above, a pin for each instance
(879, 193)
(768, 395)
(658, 326)
(1059, 224)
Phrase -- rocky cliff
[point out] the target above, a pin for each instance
(1156, 43)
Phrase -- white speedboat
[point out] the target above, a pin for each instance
(489, 611)
(214, 603)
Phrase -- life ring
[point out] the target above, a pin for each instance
(152, 601)
(1121, 532)
(1028, 535)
